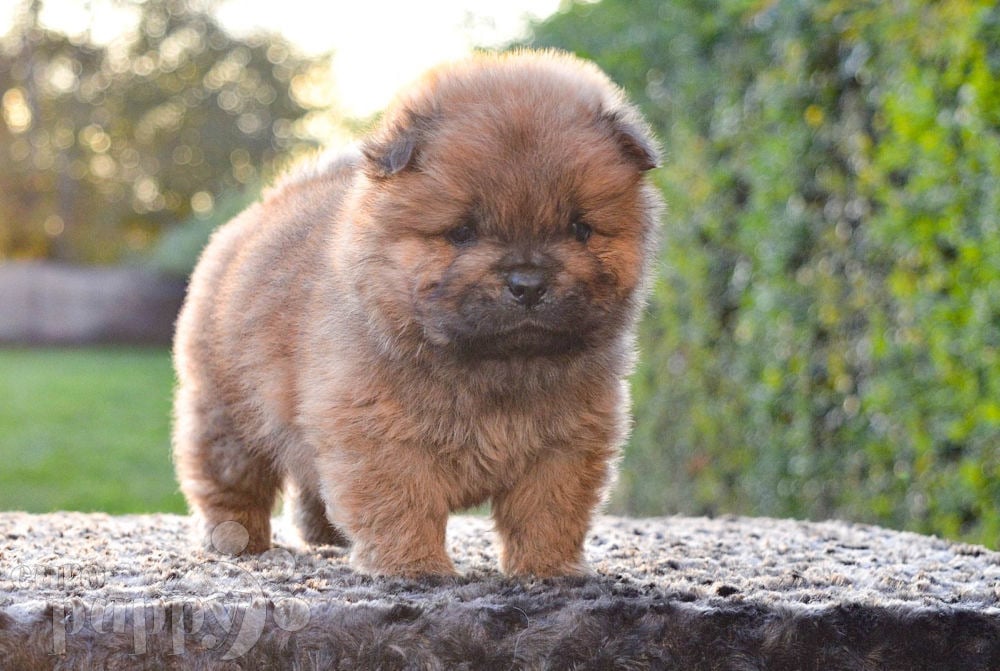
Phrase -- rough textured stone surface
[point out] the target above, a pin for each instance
(93, 591)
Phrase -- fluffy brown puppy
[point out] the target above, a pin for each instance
(441, 319)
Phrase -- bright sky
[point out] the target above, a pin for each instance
(378, 45)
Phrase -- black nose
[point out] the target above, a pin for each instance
(527, 286)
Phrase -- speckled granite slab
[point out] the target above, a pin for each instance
(92, 591)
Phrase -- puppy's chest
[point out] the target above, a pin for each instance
(491, 448)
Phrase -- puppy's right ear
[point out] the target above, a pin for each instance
(634, 138)
(392, 149)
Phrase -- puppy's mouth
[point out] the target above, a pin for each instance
(478, 326)
(522, 338)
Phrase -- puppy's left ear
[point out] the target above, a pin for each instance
(390, 154)
(634, 139)
(394, 148)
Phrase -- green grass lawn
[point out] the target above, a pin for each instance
(86, 429)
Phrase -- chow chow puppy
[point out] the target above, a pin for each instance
(440, 318)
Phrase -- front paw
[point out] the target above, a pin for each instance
(371, 561)
(231, 538)
(542, 568)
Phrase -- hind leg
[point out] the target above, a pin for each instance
(224, 481)
(309, 516)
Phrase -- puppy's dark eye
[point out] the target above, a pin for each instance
(461, 235)
(580, 230)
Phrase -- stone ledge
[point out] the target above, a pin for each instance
(93, 591)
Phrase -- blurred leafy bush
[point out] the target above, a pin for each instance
(824, 335)
(177, 251)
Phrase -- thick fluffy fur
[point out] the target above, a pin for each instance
(441, 319)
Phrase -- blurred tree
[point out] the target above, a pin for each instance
(104, 145)
(824, 338)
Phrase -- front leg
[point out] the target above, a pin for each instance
(543, 519)
(393, 507)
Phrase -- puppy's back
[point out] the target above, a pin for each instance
(249, 292)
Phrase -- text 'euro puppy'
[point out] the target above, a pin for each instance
(442, 318)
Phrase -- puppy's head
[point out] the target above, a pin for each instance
(504, 211)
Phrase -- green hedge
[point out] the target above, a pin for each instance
(823, 339)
